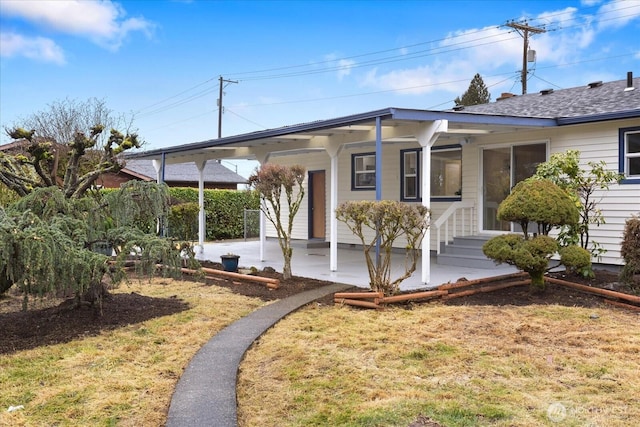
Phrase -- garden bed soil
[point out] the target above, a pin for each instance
(21, 330)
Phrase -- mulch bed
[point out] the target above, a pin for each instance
(21, 330)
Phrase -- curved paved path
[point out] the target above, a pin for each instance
(206, 392)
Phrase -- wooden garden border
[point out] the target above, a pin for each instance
(269, 282)
(463, 288)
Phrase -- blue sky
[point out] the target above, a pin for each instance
(294, 61)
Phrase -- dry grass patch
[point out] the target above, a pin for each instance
(122, 377)
(460, 366)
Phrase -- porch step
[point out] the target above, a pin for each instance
(465, 252)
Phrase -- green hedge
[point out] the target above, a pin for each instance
(224, 211)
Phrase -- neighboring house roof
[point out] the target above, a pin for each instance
(17, 145)
(183, 172)
(594, 100)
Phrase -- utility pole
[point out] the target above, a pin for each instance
(524, 30)
(222, 81)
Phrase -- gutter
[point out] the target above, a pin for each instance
(628, 114)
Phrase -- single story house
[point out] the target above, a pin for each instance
(216, 175)
(460, 163)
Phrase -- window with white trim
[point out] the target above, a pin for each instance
(446, 173)
(363, 168)
(410, 175)
(630, 154)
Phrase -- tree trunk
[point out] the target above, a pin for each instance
(286, 268)
(537, 281)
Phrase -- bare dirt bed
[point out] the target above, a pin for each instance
(21, 330)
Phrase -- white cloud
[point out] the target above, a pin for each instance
(345, 67)
(342, 66)
(102, 21)
(459, 57)
(496, 52)
(38, 48)
(618, 13)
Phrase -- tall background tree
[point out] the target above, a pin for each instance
(477, 93)
(66, 146)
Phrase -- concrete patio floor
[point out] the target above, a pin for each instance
(352, 269)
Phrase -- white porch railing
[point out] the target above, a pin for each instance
(466, 209)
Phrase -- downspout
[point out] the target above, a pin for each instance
(163, 164)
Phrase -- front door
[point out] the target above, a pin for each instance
(502, 168)
(317, 220)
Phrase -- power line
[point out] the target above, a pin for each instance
(299, 101)
(245, 119)
(388, 59)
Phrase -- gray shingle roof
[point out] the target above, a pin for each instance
(186, 172)
(579, 101)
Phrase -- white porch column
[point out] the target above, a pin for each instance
(201, 214)
(159, 166)
(262, 157)
(427, 136)
(333, 149)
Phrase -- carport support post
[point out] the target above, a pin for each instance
(333, 149)
(262, 156)
(378, 180)
(201, 215)
(427, 136)
(159, 166)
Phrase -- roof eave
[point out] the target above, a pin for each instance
(387, 113)
(472, 118)
(269, 133)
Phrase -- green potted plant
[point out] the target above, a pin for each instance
(230, 262)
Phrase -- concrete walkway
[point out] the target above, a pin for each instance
(206, 393)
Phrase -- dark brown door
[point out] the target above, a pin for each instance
(317, 220)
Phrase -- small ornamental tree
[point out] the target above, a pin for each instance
(280, 187)
(565, 171)
(45, 241)
(544, 203)
(384, 222)
(541, 202)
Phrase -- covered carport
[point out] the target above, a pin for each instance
(332, 136)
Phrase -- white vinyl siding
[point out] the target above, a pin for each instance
(595, 142)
